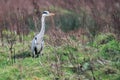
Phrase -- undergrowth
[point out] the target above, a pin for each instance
(73, 61)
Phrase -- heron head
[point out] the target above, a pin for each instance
(47, 13)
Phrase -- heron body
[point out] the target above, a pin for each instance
(38, 42)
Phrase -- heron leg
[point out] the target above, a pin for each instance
(42, 46)
(37, 55)
(35, 52)
(33, 55)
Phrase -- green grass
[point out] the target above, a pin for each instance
(69, 61)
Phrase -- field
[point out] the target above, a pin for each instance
(99, 60)
(82, 39)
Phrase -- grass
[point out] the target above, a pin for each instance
(66, 62)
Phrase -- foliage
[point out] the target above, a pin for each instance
(110, 50)
(108, 46)
(72, 60)
(30, 23)
(68, 22)
(102, 39)
(69, 61)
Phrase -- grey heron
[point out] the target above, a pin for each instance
(38, 42)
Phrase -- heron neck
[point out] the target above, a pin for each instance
(42, 31)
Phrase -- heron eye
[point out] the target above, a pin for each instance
(35, 38)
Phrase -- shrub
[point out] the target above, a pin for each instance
(103, 39)
(68, 22)
(107, 45)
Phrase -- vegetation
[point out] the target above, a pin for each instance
(71, 61)
(82, 40)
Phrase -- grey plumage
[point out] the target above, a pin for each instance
(38, 42)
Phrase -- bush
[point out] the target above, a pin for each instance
(68, 22)
(107, 45)
(103, 39)
(110, 49)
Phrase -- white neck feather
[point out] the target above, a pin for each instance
(42, 31)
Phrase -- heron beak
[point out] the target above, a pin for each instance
(51, 14)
